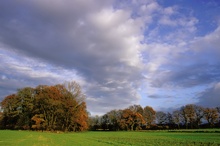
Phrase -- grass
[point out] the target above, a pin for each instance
(151, 138)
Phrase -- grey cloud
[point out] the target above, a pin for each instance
(210, 97)
(70, 34)
(111, 95)
(13, 79)
(71, 46)
(155, 96)
(190, 76)
(208, 45)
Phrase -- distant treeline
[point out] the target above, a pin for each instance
(137, 118)
(59, 107)
(62, 108)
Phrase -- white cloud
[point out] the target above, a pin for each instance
(209, 43)
(148, 9)
(19, 71)
(176, 20)
(115, 28)
(170, 10)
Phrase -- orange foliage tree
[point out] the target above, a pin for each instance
(58, 107)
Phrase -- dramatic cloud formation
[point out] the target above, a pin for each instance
(122, 52)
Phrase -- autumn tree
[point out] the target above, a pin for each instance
(189, 114)
(79, 118)
(48, 107)
(211, 115)
(39, 122)
(131, 120)
(149, 115)
(11, 110)
(137, 109)
(48, 103)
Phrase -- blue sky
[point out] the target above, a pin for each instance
(161, 53)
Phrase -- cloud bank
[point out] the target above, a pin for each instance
(121, 52)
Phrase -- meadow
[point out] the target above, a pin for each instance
(142, 138)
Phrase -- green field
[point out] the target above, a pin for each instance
(28, 138)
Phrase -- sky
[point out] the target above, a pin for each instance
(159, 53)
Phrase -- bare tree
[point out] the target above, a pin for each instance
(161, 118)
(178, 118)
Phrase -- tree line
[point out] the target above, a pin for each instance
(136, 117)
(58, 107)
(62, 107)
